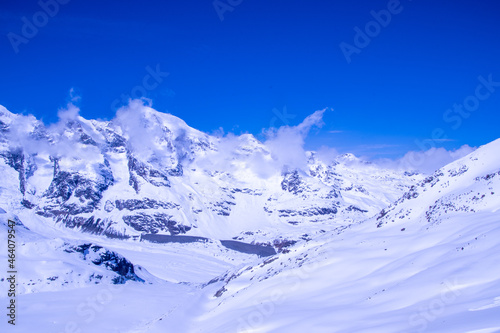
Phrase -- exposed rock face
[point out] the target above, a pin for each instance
(292, 182)
(155, 223)
(100, 256)
(71, 195)
(137, 168)
(146, 203)
(23, 165)
(222, 208)
(177, 171)
(308, 212)
(66, 184)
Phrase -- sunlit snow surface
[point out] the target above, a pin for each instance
(424, 258)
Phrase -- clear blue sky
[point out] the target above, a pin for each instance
(265, 55)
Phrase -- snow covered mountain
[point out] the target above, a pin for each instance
(147, 172)
(143, 224)
(427, 263)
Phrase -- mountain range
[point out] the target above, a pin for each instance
(144, 224)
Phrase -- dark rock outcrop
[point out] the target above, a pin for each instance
(292, 183)
(111, 260)
(154, 223)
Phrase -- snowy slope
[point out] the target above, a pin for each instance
(416, 275)
(411, 275)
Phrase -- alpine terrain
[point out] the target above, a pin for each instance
(144, 224)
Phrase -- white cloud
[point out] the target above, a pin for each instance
(143, 133)
(71, 112)
(30, 134)
(286, 143)
(282, 149)
(74, 96)
(327, 154)
(426, 161)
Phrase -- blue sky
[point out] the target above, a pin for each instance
(241, 73)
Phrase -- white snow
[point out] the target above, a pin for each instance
(404, 253)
